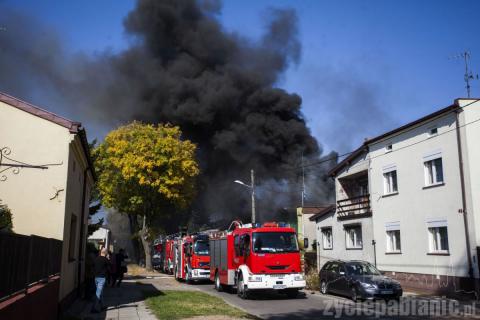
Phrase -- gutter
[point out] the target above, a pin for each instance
(82, 230)
(464, 199)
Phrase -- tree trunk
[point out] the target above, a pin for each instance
(146, 246)
(132, 219)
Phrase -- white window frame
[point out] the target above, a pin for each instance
(430, 169)
(391, 241)
(388, 185)
(357, 241)
(434, 236)
(388, 148)
(324, 231)
(429, 158)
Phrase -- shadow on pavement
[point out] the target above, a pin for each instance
(119, 302)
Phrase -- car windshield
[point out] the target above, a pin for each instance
(361, 269)
(274, 242)
(201, 248)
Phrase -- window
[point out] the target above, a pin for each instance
(432, 131)
(438, 239)
(433, 172)
(353, 236)
(236, 245)
(327, 238)
(390, 182)
(388, 148)
(73, 236)
(393, 241)
(393, 237)
(274, 242)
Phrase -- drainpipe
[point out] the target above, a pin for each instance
(464, 199)
(82, 215)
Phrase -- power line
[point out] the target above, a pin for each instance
(392, 136)
(415, 143)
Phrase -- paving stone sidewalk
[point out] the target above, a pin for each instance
(122, 303)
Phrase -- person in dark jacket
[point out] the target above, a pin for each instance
(120, 266)
(101, 265)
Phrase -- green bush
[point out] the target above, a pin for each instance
(312, 279)
(5, 218)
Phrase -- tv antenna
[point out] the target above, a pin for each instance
(468, 76)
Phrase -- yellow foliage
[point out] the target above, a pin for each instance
(141, 165)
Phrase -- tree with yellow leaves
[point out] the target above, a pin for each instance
(148, 172)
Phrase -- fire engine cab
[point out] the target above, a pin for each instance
(256, 257)
(193, 258)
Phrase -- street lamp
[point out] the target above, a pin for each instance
(251, 187)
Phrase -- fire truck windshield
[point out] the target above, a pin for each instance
(274, 242)
(201, 248)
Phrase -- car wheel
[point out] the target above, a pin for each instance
(323, 287)
(218, 285)
(242, 291)
(354, 294)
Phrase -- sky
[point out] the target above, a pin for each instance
(366, 66)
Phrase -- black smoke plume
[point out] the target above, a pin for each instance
(182, 67)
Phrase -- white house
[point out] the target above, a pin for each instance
(102, 238)
(48, 193)
(409, 201)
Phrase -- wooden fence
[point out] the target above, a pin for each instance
(27, 260)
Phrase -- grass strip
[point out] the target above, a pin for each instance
(172, 304)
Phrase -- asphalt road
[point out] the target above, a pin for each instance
(274, 306)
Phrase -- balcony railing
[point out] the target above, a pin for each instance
(355, 207)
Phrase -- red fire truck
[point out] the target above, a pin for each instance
(256, 257)
(192, 258)
(169, 258)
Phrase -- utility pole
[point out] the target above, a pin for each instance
(252, 190)
(303, 183)
(253, 194)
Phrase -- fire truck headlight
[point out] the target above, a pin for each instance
(299, 277)
(255, 278)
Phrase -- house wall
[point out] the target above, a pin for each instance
(414, 204)
(306, 229)
(42, 201)
(339, 250)
(28, 194)
(470, 132)
(76, 174)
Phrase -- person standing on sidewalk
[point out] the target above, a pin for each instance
(120, 266)
(101, 268)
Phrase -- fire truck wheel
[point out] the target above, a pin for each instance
(188, 278)
(242, 290)
(218, 285)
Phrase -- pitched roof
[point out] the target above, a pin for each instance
(73, 126)
(364, 146)
(321, 211)
(39, 112)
